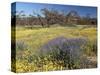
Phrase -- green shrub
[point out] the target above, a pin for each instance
(21, 45)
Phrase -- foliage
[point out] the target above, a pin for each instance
(45, 49)
(65, 50)
(20, 45)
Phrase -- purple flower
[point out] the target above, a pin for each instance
(68, 50)
(71, 45)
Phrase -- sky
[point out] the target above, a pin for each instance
(28, 8)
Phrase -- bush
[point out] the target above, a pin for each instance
(91, 48)
(21, 49)
(20, 45)
(65, 50)
(95, 47)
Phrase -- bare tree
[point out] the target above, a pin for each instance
(19, 17)
(53, 16)
(39, 18)
(73, 17)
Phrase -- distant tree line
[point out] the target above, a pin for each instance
(51, 17)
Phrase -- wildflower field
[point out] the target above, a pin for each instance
(56, 48)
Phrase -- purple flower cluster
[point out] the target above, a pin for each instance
(68, 50)
(71, 45)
